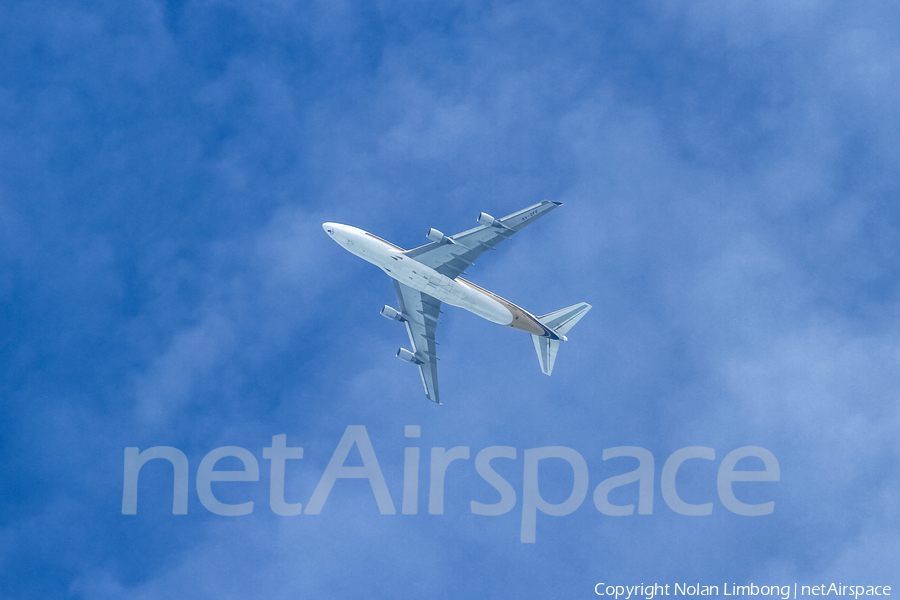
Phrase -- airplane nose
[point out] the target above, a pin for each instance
(329, 228)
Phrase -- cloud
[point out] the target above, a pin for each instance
(727, 179)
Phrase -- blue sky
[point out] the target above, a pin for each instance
(729, 179)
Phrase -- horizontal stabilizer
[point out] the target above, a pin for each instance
(560, 321)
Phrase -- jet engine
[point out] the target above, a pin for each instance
(405, 355)
(485, 219)
(390, 313)
(436, 236)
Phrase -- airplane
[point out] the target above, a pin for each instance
(426, 276)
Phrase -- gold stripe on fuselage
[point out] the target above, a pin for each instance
(522, 319)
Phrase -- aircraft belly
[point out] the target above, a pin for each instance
(517, 318)
(418, 281)
(480, 304)
(426, 280)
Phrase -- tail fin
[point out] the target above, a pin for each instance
(560, 321)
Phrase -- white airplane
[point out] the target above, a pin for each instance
(430, 274)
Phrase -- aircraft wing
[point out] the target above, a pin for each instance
(420, 313)
(451, 258)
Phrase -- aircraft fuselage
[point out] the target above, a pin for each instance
(455, 292)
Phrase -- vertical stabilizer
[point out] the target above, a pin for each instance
(560, 321)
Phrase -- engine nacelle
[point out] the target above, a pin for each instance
(436, 236)
(486, 219)
(407, 356)
(390, 313)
